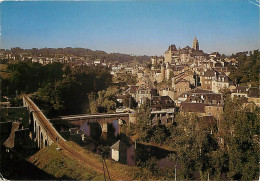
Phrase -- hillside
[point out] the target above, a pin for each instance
(62, 165)
(78, 52)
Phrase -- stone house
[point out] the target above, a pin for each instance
(201, 102)
(251, 93)
(202, 109)
(119, 152)
(206, 79)
(220, 82)
(180, 87)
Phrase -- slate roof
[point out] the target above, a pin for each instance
(209, 73)
(192, 107)
(221, 77)
(133, 89)
(250, 91)
(181, 80)
(184, 52)
(119, 145)
(200, 91)
(198, 53)
(162, 102)
(9, 143)
(241, 89)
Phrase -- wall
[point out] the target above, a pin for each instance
(115, 155)
(215, 111)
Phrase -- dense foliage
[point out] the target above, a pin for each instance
(220, 149)
(105, 101)
(57, 89)
(70, 95)
(129, 101)
(247, 70)
(28, 77)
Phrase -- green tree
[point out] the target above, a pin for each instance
(143, 120)
(239, 130)
(159, 134)
(247, 69)
(194, 144)
(129, 100)
(105, 102)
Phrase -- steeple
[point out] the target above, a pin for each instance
(195, 44)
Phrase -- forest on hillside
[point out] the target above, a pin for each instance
(78, 52)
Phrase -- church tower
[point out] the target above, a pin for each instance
(195, 44)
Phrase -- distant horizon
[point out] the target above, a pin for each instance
(131, 27)
(126, 53)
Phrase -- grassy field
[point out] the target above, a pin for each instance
(3, 67)
(61, 166)
(56, 163)
(3, 73)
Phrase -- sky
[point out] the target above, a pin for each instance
(131, 27)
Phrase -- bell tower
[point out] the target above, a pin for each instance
(195, 44)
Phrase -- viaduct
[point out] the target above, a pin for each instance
(45, 134)
(43, 131)
(102, 119)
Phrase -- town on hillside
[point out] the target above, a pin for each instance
(184, 107)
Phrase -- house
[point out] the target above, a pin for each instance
(214, 55)
(159, 103)
(141, 91)
(206, 79)
(119, 151)
(220, 82)
(180, 87)
(202, 103)
(251, 93)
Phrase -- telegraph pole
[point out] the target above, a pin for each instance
(175, 173)
(129, 102)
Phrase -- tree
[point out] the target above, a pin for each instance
(247, 70)
(194, 144)
(159, 134)
(240, 132)
(105, 102)
(129, 100)
(143, 120)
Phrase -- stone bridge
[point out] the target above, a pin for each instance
(42, 130)
(45, 134)
(102, 119)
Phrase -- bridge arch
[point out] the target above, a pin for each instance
(45, 143)
(41, 140)
(35, 126)
(45, 133)
(92, 129)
